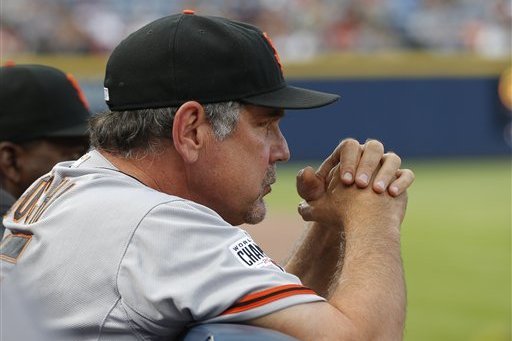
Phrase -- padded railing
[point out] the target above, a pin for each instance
(232, 332)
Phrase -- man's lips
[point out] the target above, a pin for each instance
(267, 190)
(270, 179)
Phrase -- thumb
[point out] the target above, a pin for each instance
(309, 185)
(306, 211)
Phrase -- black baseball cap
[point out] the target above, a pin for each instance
(39, 101)
(208, 59)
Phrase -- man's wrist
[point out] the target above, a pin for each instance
(388, 230)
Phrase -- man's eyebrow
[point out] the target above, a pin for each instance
(277, 112)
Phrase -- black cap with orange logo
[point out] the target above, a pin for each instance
(186, 57)
(39, 101)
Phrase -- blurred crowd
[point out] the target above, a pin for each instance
(301, 29)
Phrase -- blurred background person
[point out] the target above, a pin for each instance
(43, 120)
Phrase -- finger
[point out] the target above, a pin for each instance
(405, 178)
(334, 158)
(305, 211)
(333, 179)
(350, 154)
(387, 172)
(309, 185)
(329, 163)
(312, 211)
(370, 161)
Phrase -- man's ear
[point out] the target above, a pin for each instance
(10, 154)
(189, 131)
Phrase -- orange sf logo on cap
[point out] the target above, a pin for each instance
(274, 49)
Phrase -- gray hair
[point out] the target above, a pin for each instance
(136, 133)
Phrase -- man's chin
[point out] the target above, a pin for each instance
(257, 213)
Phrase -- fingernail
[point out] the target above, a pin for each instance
(394, 189)
(364, 178)
(380, 185)
(347, 176)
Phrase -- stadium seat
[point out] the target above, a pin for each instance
(232, 332)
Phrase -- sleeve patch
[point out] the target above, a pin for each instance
(13, 246)
(247, 252)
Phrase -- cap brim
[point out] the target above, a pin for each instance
(77, 130)
(290, 97)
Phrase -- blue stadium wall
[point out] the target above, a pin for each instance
(416, 117)
(419, 104)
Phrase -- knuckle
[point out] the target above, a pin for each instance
(349, 142)
(393, 157)
(370, 140)
(405, 177)
(411, 174)
(374, 145)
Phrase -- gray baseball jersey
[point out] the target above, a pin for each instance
(110, 258)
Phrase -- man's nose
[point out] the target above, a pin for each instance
(280, 150)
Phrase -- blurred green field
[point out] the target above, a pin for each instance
(456, 247)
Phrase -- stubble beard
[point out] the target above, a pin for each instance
(258, 210)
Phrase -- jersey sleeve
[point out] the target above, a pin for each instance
(185, 265)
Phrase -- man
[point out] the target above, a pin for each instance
(138, 238)
(43, 120)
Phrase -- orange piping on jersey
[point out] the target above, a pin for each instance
(267, 296)
(269, 291)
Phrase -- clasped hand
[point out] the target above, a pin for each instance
(356, 183)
